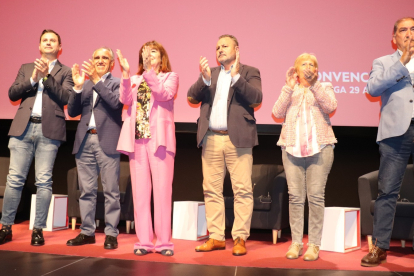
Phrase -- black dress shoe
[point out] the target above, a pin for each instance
(110, 242)
(81, 239)
(5, 235)
(37, 237)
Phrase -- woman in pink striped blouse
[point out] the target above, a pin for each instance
(307, 143)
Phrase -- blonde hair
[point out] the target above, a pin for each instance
(305, 56)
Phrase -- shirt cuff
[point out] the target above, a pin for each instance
(208, 83)
(77, 91)
(235, 79)
(32, 82)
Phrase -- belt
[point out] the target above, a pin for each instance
(36, 120)
(92, 131)
(224, 132)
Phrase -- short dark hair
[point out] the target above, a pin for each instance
(230, 36)
(50, 31)
(399, 21)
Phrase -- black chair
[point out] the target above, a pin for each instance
(404, 216)
(271, 199)
(127, 206)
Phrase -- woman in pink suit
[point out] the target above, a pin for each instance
(148, 138)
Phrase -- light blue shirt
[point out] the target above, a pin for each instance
(218, 117)
(37, 106)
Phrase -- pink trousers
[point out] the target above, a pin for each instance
(145, 162)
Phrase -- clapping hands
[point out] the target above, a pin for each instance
(236, 66)
(78, 78)
(291, 77)
(408, 50)
(146, 58)
(205, 68)
(310, 76)
(124, 64)
(41, 69)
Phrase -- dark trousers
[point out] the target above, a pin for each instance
(395, 152)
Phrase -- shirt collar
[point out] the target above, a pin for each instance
(104, 77)
(222, 68)
(51, 65)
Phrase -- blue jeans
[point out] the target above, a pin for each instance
(394, 152)
(23, 148)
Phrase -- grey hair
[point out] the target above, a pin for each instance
(399, 21)
(105, 48)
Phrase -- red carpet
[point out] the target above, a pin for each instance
(261, 252)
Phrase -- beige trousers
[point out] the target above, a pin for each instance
(219, 152)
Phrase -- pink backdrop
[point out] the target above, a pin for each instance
(346, 37)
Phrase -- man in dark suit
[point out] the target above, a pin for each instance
(227, 132)
(97, 100)
(37, 130)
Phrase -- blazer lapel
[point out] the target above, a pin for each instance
(214, 80)
(56, 68)
(231, 90)
(396, 57)
(106, 82)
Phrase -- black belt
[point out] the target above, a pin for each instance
(92, 131)
(36, 120)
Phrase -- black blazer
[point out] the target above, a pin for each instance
(107, 111)
(55, 95)
(244, 95)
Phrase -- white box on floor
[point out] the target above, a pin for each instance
(57, 217)
(341, 229)
(189, 220)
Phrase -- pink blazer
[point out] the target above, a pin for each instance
(164, 87)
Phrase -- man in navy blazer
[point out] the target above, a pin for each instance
(37, 130)
(392, 78)
(97, 101)
(227, 132)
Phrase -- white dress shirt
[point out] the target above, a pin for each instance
(218, 117)
(37, 106)
(410, 68)
(92, 123)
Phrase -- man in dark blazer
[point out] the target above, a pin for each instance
(97, 101)
(227, 132)
(37, 130)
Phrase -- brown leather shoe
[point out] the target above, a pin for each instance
(239, 247)
(210, 245)
(375, 257)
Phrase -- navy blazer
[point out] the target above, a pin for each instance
(55, 96)
(107, 111)
(243, 96)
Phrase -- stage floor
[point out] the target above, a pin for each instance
(263, 258)
(39, 264)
